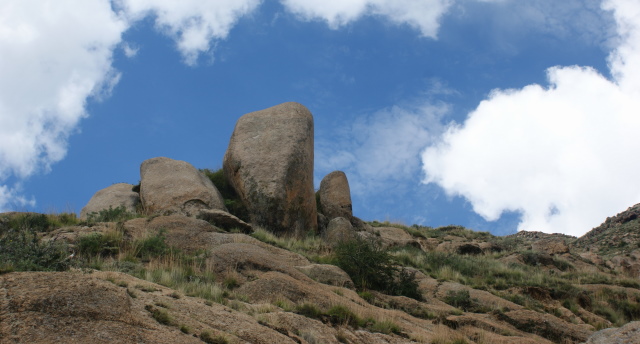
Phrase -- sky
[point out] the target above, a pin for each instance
(497, 115)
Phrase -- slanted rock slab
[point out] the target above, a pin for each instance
(327, 274)
(224, 220)
(170, 186)
(269, 163)
(114, 196)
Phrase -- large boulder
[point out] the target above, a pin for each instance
(335, 196)
(627, 334)
(170, 186)
(114, 196)
(269, 162)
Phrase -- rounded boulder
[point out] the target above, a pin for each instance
(269, 163)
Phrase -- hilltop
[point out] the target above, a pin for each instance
(251, 253)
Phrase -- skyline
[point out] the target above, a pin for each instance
(494, 115)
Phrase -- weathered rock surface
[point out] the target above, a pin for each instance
(269, 162)
(170, 186)
(627, 334)
(113, 196)
(335, 196)
(87, 308)
(338, 229)
(394, 237)
(224, 220)
(327, 274)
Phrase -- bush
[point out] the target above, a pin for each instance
(340, 315)
(231, 199)
(153, 246)
(110, 215)
(459, 299)
(207, 338)
(30, 221)
(103, 244)
(309, 310)
(368, 265)
(372, 267)
(22, 250)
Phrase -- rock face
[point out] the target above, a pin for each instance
(627, 334)
(339, 229)
(269, 162)
(335, 196)
(114, 196)
(170, 186)
(224, 220)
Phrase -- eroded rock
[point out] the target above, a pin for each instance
(170, 186)
(269, 162)
(114, 196)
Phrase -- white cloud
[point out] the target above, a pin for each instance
(420, 14)
(382, 149)
(193, 24)
(130, 50)
(53, 56)
(563, 155)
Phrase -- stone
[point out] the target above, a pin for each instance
(327, 274)
(550, 246)
(114, 196)
(224, 220)
(170, 186)
(339, 229)
(335, 196)
(269, 163)
(394, 237)
(627, 334)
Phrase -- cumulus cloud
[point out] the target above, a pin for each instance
(56, 54)
(53, 56)
(420, 14)
(561, 154)
(380, 150)
(194, 24)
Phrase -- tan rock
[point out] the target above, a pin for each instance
(269, 162)
(339, 229)
(627, 334)
(224, 220)
(394, 237)
(114, 196)
(87, 308)
(335, 196)
(550, 246)
(327, 274)
(170, 186)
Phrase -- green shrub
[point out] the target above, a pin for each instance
(231, 199)
(341, 315)
(386, 327)
(459, 299)
(309, 310)
(22, 250)
(161, 316)
(372, 267)
(110, 215)
(153, 246)
(207, 338)
(30, 221)
(102, 244)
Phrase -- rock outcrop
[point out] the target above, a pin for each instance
(338, 229)
(627, 334)
(114, 196)
(269, 162)
(170, 186)
(335, 196)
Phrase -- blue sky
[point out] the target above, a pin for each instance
(496, 115)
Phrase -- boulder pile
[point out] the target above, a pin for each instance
(269, 165)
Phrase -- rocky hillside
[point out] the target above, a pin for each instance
(248, 254)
